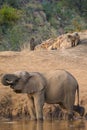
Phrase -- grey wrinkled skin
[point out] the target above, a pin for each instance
(57, 86)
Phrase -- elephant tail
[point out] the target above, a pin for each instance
(77, 95)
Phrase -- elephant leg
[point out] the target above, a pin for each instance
(69, 103)
(39, 102)
(31, 108)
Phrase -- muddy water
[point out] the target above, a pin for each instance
(45, 125)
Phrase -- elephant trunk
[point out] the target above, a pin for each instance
(9, 79)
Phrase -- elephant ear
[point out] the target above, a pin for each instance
(35, 83)
(23, 75)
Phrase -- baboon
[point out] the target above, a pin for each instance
(73, 39)
(32, 44)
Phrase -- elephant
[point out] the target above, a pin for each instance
(54, 87)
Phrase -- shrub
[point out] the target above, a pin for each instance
(9, 15)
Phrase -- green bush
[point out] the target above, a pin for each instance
(14, 3)
(77, 23)
(9, 15)
(38, 19)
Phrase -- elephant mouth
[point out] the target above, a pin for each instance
(13, 83)
(17, 91)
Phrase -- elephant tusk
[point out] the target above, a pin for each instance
(9, 81)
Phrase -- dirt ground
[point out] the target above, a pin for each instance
(73, 60)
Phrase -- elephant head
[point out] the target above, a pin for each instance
(24, 82)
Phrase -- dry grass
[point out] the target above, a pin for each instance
(73, 60)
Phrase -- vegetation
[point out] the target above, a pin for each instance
(22, 20)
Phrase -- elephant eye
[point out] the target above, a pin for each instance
(17, 80)
(6, 79)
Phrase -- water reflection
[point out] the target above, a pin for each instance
(45, 125)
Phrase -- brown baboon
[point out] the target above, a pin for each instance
(73, 39)
(32, 44)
